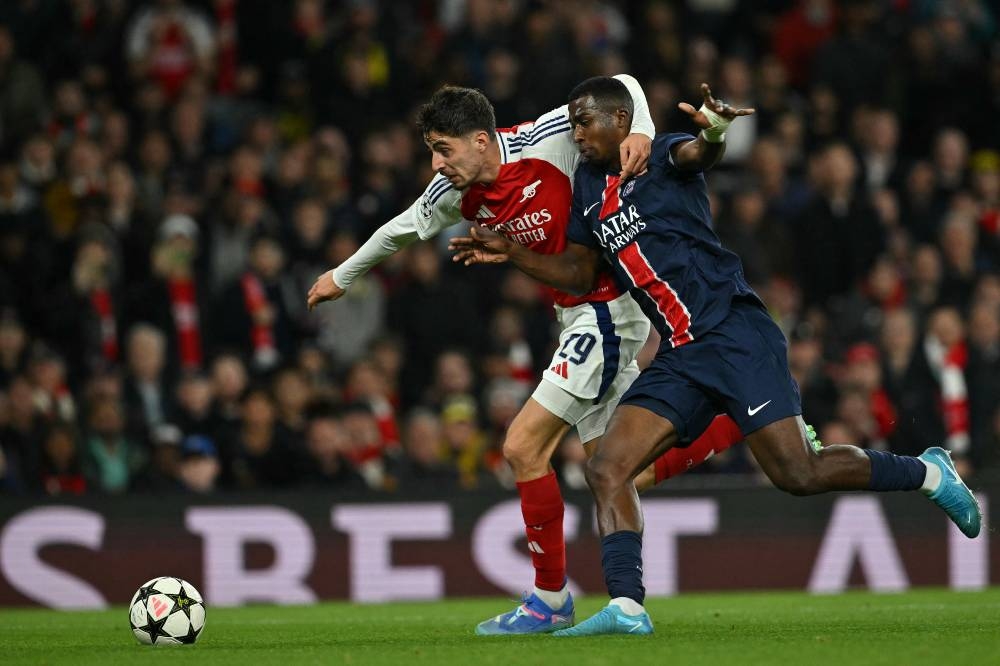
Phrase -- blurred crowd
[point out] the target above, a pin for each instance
(174, 175)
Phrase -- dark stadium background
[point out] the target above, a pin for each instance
(158, 160)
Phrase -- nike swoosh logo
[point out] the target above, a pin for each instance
(631, 624)
(590, 208)
(751, 412)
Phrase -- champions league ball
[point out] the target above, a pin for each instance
(166, 611)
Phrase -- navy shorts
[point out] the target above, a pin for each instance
(739, 368)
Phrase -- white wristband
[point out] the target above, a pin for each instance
(716, 132)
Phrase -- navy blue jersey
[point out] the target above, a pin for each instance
(655, 230)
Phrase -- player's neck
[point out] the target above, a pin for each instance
(491, 168)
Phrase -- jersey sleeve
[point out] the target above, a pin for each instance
(436, 209)
(439, 207)
(578, 230)
(664, 146)
(642, 121)
(549, 138)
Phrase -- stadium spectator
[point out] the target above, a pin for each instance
(327, 445)
(255, 312)
(424, 464)
(169, 43)
(13, 347)
(194, 405)
(464, 442)
(22, 91)
(174, 297)
(149, 402)
(111, 461)
(366, 446)
(259, 453)
(909, 383)
(60, 472)
(229, 381)
(199, 469)
(292, 396)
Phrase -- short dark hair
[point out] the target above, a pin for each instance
(609, 93)
(455, 111)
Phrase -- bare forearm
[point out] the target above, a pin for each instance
(699, 155)
(567, 271)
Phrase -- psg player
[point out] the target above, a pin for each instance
(720, 350)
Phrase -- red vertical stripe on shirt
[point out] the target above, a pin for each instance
(667, 302)
(611, 203)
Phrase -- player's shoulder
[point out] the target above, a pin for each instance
(664, 142)
(440, 193)
(537, 133)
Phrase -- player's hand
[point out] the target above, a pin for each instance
(324, 289)
(718, 106)
(481, 246)
(634, 153)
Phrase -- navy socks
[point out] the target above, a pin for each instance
(892, 472)
(621, 559)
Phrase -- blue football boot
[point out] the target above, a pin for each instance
(610, 620)
(953, 496)
(533, 616)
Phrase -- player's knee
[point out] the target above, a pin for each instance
(604, 474)
(521, 452)
(795, 479)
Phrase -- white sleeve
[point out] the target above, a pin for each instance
(437, 208)
(642, 122)
(390, 238)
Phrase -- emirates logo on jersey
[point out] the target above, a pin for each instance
(530, 190)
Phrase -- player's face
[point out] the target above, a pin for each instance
(597, 132)
(460, 159)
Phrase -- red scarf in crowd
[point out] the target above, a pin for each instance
(184, 307)
(261, 335)
(100, 300)
(954, 396)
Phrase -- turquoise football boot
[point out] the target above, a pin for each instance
(610, 620)
(953, 496)
(533, 616)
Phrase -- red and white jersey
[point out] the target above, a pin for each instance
(530, 200)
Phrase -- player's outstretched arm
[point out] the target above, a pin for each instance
(433, 211)
(574, 270)
(714, 117)
(388, 239)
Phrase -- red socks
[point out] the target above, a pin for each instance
(719, 436)
(542, 507)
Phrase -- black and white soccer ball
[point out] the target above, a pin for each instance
(166, 611)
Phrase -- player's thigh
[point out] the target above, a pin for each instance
(537, 429)
(635, 437)
(597, 341)
(743, 362)
(665, 389)
(782, 449)
(594, 422)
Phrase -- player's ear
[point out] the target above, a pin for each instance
(623, 118)
(482, 140)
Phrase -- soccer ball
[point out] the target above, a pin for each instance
(166, 611)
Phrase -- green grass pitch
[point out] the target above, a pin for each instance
(920, 627)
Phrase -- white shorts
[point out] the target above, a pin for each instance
(594, 364)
